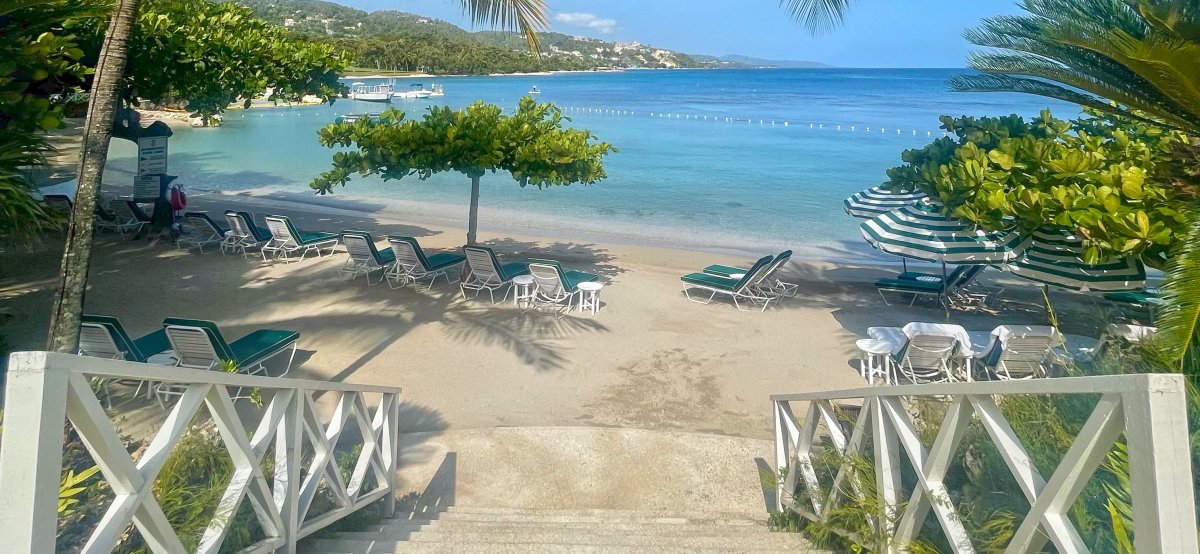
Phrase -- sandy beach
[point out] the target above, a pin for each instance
(649, 359)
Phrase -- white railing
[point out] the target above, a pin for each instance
(45, 389)
(1149, 409)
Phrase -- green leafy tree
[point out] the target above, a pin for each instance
(206, 56)
(531, 144)
(1108, 178)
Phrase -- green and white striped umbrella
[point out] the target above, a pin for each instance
(877, 201)
(1055, 257)
(921, 232)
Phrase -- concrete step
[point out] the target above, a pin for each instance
(572, 516)
(447, 535)
(483, 526)
(592, 512)
(344, 546)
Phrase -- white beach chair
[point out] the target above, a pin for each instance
(737, 289)
(127, 220)
(286, 240)
(244, 235)
(485, 272)
(205, 232)
(927, 358)
(1020, 352)
(412, 265)
(365, 257)
(555, 287)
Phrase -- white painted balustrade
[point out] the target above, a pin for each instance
(1149, 410)
(46, 389)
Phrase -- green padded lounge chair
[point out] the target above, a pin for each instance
(364, 256)
(412, 265)
(204, 232)
(920, 284)
(199, 344)
(286, 240)
(737, 289)
(245, 234)
(769, 284)
(485, 272)
(102, 336)
(556, 287)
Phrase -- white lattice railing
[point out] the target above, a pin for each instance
(1149, 409)
(45, 388)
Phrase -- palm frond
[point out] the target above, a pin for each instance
(525, 16)
(1179, 323)
(818, 16)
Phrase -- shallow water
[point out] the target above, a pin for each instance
(729, 157)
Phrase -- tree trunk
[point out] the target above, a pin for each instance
(473, 218)
(102, 105)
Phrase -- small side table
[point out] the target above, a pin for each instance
(589, 296)
(876, 360)
(524, 290)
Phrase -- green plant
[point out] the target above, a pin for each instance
(69, 488)
(255, 396)
(531, 144)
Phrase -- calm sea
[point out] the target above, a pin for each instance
(720, 159)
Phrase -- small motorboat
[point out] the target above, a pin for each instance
(534, 90)
(371, 93)
(437, 90)
(416, 91)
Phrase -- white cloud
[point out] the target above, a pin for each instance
(587, 21)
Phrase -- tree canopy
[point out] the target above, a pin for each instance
(206, 56)
(530, 143)
(1112, 179)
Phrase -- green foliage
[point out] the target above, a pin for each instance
(69, 488)
(1142, 54)
(1179, 323)
(206, 55)
(1111, 179)
(531, 143)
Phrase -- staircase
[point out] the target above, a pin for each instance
(469, 530)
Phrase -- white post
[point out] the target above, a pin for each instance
(31, 453)
(1156, 427)
(288, 441)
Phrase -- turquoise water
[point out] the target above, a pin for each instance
(728, 157)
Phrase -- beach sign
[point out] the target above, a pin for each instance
(152, 155)
(147, 188)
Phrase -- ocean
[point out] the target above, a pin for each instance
(754, 159)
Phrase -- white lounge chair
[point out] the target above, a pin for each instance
(413, 266)
(205, 232)
(555, 287)
(1019, 352)
(198, 344)
(926, 358)
(244, 234)
(130, 218)
(769, 283)
(737, 289)
(484, 271)
(365, 257)
(286, 240)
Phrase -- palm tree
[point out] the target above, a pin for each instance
(1131, 57)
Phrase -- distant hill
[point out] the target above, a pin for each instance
(394, 40)
(760, 62)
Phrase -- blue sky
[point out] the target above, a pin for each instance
(877, 33)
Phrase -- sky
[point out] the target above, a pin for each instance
(876, 33)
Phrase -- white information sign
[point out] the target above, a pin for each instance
(152, 155)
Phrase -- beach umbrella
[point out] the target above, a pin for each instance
(1055, 257)
(921, 232)
(877, 201)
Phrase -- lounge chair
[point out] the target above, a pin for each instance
(130, 217)
(737, 289)
(769, 283)
(1116, 336)
(556, 287)
(244, 233)
(1147, 301)
(364, 256)
(199, 344)
(1019, 352)
(926, 358)
(921, 284)
(59, 203)
(484, 271)
(106, 219)
(286, 240)
(412, 265)
(205, 232)
(105, 337)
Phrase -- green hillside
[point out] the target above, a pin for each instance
(399, 41)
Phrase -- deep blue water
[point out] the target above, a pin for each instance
(728, 156)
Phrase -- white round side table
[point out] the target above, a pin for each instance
(876, 360)
(589, 296)
(524, 288)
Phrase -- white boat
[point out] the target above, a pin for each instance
(371, 93)
(534, 90)
(437, 90)
(416, 91)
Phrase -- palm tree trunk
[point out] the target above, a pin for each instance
(473, 218)
(102, 105)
